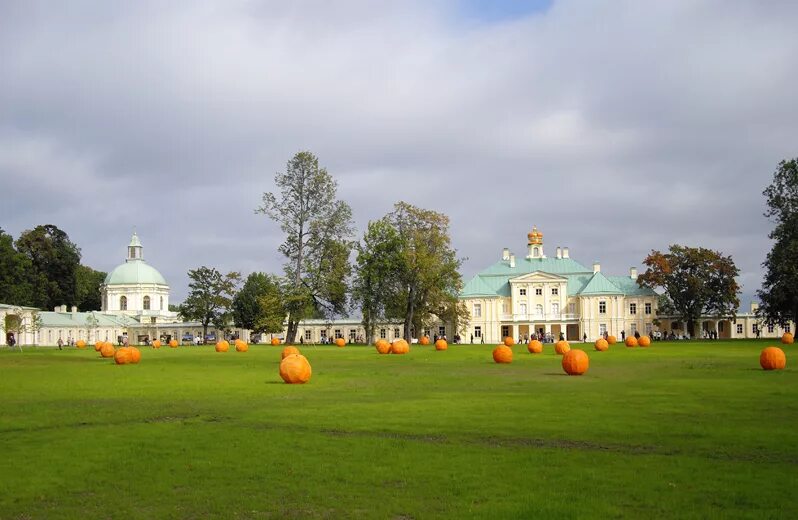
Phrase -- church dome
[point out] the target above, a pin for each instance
(134, 272)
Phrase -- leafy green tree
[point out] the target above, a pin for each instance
(87, 285)
(318, 229)
(210, 297)
(54, 260)
(779, 293)
(258, 305)
(15, 273)
(697, 281)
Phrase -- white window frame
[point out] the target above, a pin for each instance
(602, 307)
(477, 310)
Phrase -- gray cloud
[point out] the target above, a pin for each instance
(616, 128)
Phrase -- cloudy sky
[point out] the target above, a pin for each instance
(615, 127)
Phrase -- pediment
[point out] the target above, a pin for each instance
(538, 276)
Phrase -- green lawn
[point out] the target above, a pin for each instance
(681, 429)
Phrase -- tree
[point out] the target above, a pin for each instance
(210, 297)
(14, 323)
(697, 281)
(779, 293)
(375, 285)
(87, 288)
(54, 260)
(408, 269)
(318, 228)
(258, 305)
(15, 273)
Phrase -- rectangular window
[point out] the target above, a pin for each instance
(602, 329)
(571, 308)
(383, 333)
(649, 328)
(633, 329)
(602, 307)
(477, 332)
(538, 292)
(323, 335)
(522, 292)
(770, 328)
(523, 309)
(477, 310)
(754, 328)
(426, 332)
(396, 333)
(338, 334)
(441, 331)
(555, 291)
(506, 307)
(632, 308)
(787, 328)
(739, 328)
(307, 334)
(648, 308)
(505, 331)
(352, 335)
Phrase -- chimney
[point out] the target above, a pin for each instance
(74, 310)
(512, 260)
(565, 253)
(754, 307)
(633, 273)
(505, 254)
(559, 252)
(596, 267)
(56, 308)
(63, 308)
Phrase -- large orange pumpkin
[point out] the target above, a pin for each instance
(787, 338)
(612, 340)
(295, 369)
(602, 344)
(400, 346)
(424, 340)
(535, 347)
(383, 347)
(508, 341)
(772, 358)
(341, 342)
(631, 341)
(644, 341)
(156, 343)
(441, 344)
(173, 343)
(222, 346)
(275, 341)
(575, 362)
(503, 354)
(241, 346)
(561, 347)
(80, 344)
(135, 355)
(98, 345)
(122, 356)
(287, 351)
(107, 350)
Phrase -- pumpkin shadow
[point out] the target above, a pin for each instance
(554, 374)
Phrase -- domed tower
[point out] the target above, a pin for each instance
(535, 244)
(135, 288)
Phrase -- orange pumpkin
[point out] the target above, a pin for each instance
(222, 346)
(787, 338)
(295, 369)
(241, 346)
(400, 346)
(575, 362)
(503, 354)
(644, 341)
(275, 341)
(287, 351)
(424, 340)
(612, 340)
(107, 350)
(561, 347)
(122, 356)
(602, 344)
(508, 341)
(156, 343)
(80, 344)
(535, 347)
(441, 344)
(341, 342)
(98, 345)
(173, 343)
(135, 355)
(631, 341)
(383, 347)
(772, 358)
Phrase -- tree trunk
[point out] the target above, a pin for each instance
(293, 325)
(409, 314)
(204, 331)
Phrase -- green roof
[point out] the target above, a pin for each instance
(134, 272)
(531, 265)
(599, 284)
(629, 286)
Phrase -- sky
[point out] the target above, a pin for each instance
(615, 127)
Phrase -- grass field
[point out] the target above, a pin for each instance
(681, 429)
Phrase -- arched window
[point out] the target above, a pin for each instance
(539, 310)
(146, 303)
(123, 303)
(536, 252)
